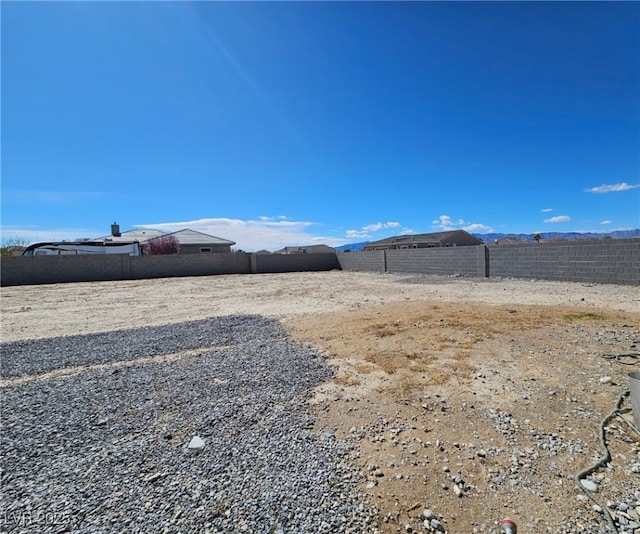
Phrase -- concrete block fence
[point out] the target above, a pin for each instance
(605, 261)
(28, 270)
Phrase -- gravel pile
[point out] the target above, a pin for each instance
(106, 448)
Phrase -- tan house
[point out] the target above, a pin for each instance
(193, 242)
(190, 241)
(454, 238)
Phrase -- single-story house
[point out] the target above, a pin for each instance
(453, 238)
(193, 242)
(310, 249)
(190, 241)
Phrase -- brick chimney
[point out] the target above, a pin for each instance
(115, 230)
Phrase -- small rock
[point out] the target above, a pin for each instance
(428, 514)
(589, 485)
(196, 443)
(155, 477)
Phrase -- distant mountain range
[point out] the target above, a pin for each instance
(546, 236)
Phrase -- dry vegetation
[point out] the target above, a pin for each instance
(420, 385)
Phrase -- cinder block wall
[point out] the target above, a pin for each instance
(286, 263)
(189, 265)
(599, 261)
(24, 270)
(607, 261)
(27, 270)
(374, 260)
(465, 261)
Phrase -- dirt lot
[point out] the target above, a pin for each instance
(477, 399)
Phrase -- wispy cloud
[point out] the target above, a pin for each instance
(446, 223)
(52, 197)
(356, 234)
(546, 210)
(376, 227)
(558, 219)
(606, 222)
(477, 227)
(612, 188)
(34, 234)
(270, 233)
(366, 230)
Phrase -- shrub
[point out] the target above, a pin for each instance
(12, 246)
(167, 244)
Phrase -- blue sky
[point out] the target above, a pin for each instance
(296, 123)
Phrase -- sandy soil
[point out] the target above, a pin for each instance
(500, 383)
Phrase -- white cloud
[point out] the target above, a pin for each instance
(270, 233)
(356, 234)
(278, 218)
(482, 228)
(546, 210)
(376, 227)
(611, 188)
(367, 229)
(446, 223)
(558, 219)
(606, 222)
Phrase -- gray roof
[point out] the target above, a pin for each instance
(453, 236)
(192, 237)
(140, 234)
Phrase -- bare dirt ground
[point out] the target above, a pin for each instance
(477, 399)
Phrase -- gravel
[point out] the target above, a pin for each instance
(106, 447)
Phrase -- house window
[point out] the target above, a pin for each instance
(205, 249)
